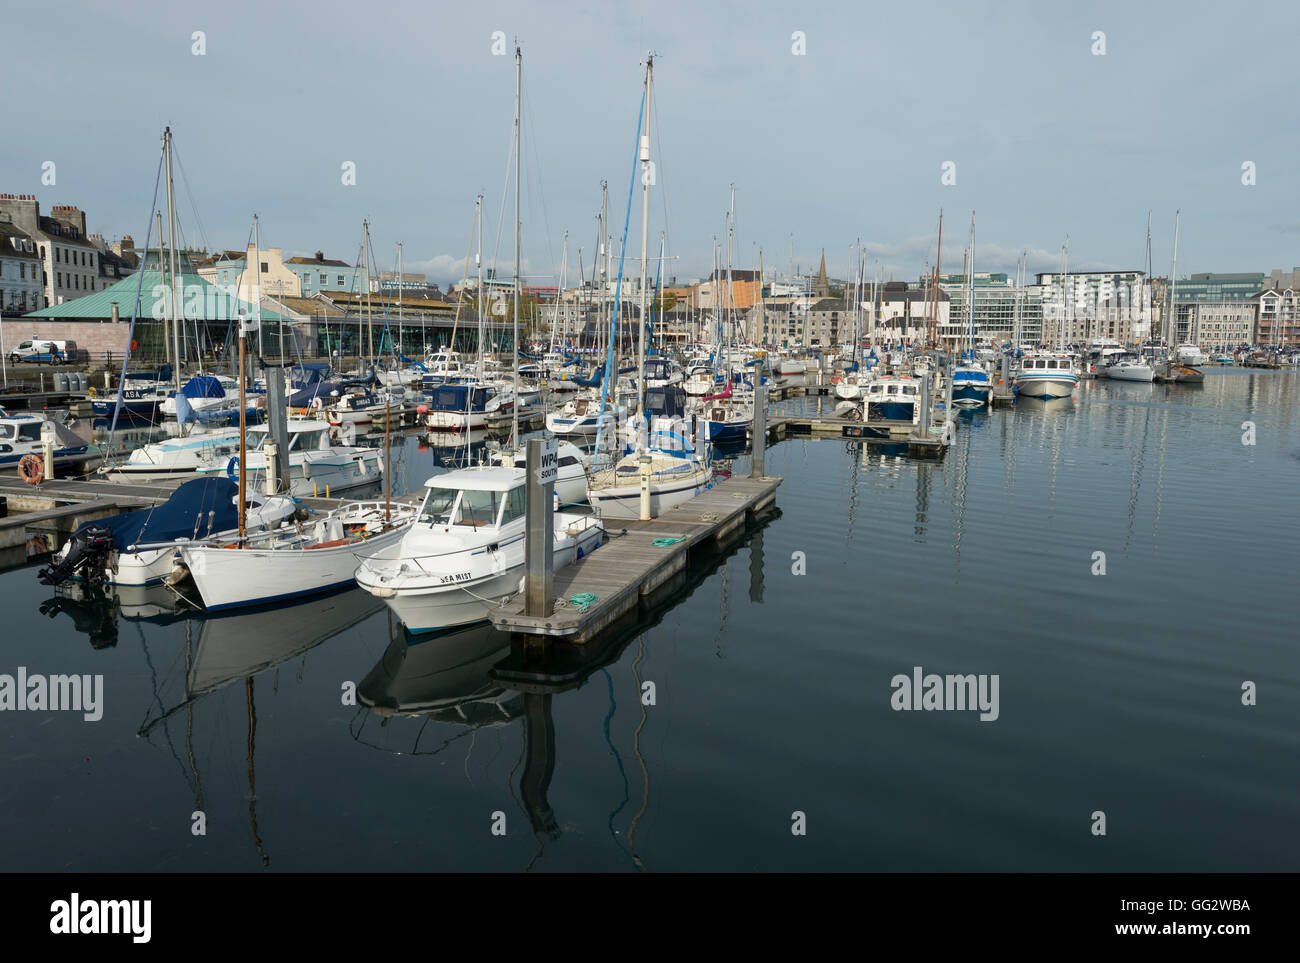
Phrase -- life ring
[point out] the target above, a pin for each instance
(837, 380)
(232, 469)
(31, 469)
(134, 344)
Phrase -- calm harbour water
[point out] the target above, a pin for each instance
(1119, 693)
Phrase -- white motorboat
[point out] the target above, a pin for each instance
(466, 551)
(893, 398)
(20, 436)
(175, 457)
(571, 469)
(285, 563)
(315, 462)
(461, 407)
(1044, 374)
(1189, 354)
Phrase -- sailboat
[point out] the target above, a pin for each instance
(307, 559)
(662, 450)
(1180, 365)
(970, 381)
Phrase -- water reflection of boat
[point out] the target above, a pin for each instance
(444, 676)
(234, 646)
(1026, 403)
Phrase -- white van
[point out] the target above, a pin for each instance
(39, 350)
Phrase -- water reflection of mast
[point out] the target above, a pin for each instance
(636, 749)
(1135, 475)
(854, 474)
(252, 791)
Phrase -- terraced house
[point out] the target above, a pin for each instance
(21, 286)
(69, 260)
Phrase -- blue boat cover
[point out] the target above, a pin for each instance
(203, 386)
(176, 517)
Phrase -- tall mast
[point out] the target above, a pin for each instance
(478, 266)
(257, 283)
(399, 292)
(1146, 279)
(365, 273)
(645, 236)
(514, 407)
(168, 323)
(1173, 290)
(970, 310)
(171, 259)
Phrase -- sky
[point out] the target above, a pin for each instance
(833, 121)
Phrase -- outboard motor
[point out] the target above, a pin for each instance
(88, 555)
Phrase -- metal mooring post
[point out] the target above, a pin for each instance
(539, 588)
(759, 444)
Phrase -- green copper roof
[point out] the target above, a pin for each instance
(200, 301)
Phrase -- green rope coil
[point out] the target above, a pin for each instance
(583, 601)
(665, 542)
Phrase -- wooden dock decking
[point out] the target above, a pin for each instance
(629, 566)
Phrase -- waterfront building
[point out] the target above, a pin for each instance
(70, 262)
(1276, 316)
(1085, 305)
(21, 285)
(319, 273)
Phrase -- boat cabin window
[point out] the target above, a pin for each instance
(438, 503)
(29, 431)
(514, 505)
(6, 432)
(478, 508)
(567, 460)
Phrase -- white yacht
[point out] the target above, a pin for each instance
(465, 552)
(581, 416)
(571, 470)
(677, 472)
(1129, 367)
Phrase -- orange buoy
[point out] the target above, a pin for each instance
(134, 344)
(31, 469)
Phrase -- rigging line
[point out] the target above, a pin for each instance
(636, 748)
(659, 181)
(185, 182)
(617, 758)
(535, 173)
(135, 308)
(505, 196)
(618, 293)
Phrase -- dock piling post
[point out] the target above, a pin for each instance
(756, 467)
(927, 404)
(47, 450)
(539, 577)
(644, 467)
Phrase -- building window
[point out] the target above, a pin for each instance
(264, 271)
(323, 281)
(341, 285)
(60, 284)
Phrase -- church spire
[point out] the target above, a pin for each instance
(823, 286)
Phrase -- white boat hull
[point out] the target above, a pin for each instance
(1041, 387)
(624, 501)
(232, 577)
